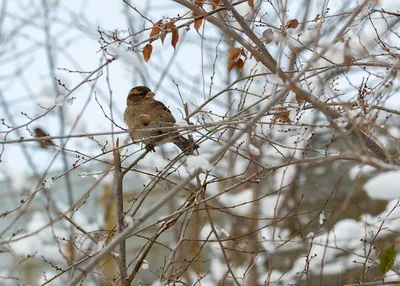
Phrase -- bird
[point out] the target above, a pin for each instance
(143, 111)
(43, 143)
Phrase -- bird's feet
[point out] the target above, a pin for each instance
(150, 147)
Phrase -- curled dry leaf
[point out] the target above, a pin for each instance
(281, 114)
(175, 38)
(145, 119)
(175, 33)
(199, 21)
(234, 60)
(165, 26)
(251, 3)
(156, 29)
(197, 24)
(234, 53)
(240, 64)
(292, 24)
(170, 25)
(231, 65)
(147, 50)
(235, 64)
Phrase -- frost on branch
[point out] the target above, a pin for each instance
(95, 174)
(62, 100)
(47, 183)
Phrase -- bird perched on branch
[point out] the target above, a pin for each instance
(43, 143)
(143, 111)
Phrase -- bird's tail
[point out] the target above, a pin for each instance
(187, 146)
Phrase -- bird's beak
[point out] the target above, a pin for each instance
(149, 95)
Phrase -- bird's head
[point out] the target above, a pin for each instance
(139, 94)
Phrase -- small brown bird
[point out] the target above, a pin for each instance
(143, 111)
(43, 143)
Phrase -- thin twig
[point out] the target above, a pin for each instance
(118, 187)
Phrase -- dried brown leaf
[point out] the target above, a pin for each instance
(235, 64)
(147, 50)
(231, 65)
(156, 29)
(162, 28)
(175, 38)
(282, 114)
(197, 24)
(170, 25)
(234, 53)
(292, 24)
(240, 64)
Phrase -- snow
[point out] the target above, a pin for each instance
(327, 248)
(128, 220)
(322, 218)
(44, 102)
(240, 203)
(145, 264)
(47, 183)
(271, 238)
(39, 242)
(389, 219)
(312, 29)
(15, 176)
(385, 186)
(360, 170)
(254, 150)
(198, 162)
(341, 122)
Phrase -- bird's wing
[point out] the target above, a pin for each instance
(160, 112)
(129, 114)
